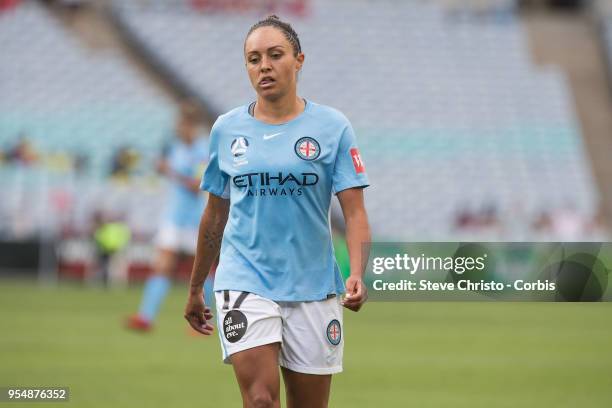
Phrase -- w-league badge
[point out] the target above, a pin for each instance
(239, 146)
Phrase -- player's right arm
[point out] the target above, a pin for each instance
(210, 235)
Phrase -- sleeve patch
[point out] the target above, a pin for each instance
(357, 162)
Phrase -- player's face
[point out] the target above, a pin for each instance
(270, 63)
(186, 130)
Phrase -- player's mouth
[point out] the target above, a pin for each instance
(266, 82)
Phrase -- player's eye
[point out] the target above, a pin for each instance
(276, 55)
(254, 60)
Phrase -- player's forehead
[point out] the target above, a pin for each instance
(264, 39)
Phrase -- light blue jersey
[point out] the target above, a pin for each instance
(279, 179)
(185, 207)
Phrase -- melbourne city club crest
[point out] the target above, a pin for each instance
(307, 148)
(334, 332)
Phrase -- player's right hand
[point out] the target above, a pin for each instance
(162, 166)
(197, 314)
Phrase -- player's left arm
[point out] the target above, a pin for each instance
(190, 183)
(357, 240)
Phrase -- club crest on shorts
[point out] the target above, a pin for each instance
(307, 148)
(234, 325)
(239, 146)
(334, 332)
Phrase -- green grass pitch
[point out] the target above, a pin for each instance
(396, 354)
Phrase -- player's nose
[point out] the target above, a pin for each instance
(265, 63)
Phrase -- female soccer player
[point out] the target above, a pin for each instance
(183, 164)
(273, 166)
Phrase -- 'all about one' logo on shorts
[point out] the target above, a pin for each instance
(234, 325)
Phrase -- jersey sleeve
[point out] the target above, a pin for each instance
(214, 180)
(349, 170)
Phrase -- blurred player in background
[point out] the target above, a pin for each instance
(183, 163)
(273, 167)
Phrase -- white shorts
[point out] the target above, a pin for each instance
(310, 333)
(177, 239)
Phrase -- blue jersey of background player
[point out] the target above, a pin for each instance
(183, 162)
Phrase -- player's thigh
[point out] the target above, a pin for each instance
(187, 240)
(306, 390)
(167, 248)
(250, 330)
(257, 373)
(245, 321)
(165, 261)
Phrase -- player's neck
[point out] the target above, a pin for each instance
(279, 111)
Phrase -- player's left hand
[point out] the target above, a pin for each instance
(356, 294)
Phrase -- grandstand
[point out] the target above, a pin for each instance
(606, 37)
(69, 101)
(452, 114)
(449, 110)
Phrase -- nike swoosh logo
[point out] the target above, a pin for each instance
(266, 137)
